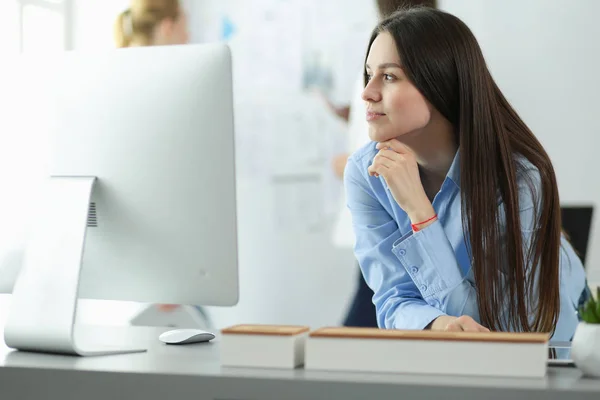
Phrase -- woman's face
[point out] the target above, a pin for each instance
(179, 32)
(172, 31)
(394, 105)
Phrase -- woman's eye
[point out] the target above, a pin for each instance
(388, 77)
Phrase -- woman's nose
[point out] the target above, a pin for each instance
(371, 93)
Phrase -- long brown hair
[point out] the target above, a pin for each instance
(388, 7)
(517, 284)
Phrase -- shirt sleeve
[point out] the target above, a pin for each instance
(397, 299)
(429, 259)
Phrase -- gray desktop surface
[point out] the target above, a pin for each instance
(194, 372)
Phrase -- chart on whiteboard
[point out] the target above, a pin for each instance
(288, 56)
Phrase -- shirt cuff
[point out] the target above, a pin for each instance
(415, 316)
(429, 260)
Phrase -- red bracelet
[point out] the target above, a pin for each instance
(415, 227)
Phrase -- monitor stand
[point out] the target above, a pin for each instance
(44, 299)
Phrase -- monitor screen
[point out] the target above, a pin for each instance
(137, 198)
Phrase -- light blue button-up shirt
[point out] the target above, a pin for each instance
(418, 276)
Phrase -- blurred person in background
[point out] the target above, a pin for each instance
(151, 23)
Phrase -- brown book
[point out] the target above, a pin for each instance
(374, 333)
(256, 329)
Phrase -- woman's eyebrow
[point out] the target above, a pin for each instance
(385, 65)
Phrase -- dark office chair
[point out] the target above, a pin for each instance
(577, 223)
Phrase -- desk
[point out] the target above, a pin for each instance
(194, 372)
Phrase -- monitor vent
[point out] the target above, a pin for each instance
(92, 220)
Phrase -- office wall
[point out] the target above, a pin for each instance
(93, 23)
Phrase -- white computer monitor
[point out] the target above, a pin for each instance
(140, 199)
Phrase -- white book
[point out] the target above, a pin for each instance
(265, 346)
(428, 352)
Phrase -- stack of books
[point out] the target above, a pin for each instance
(386, 350)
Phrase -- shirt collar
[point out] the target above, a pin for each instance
(454, 171)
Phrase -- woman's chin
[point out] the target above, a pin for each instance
(380, 136)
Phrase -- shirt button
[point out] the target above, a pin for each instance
(402, 252)
(423, 288)
(414, 270)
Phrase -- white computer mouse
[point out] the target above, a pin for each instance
(185, 336)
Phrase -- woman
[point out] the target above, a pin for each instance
(454, 204)
(151, 23)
